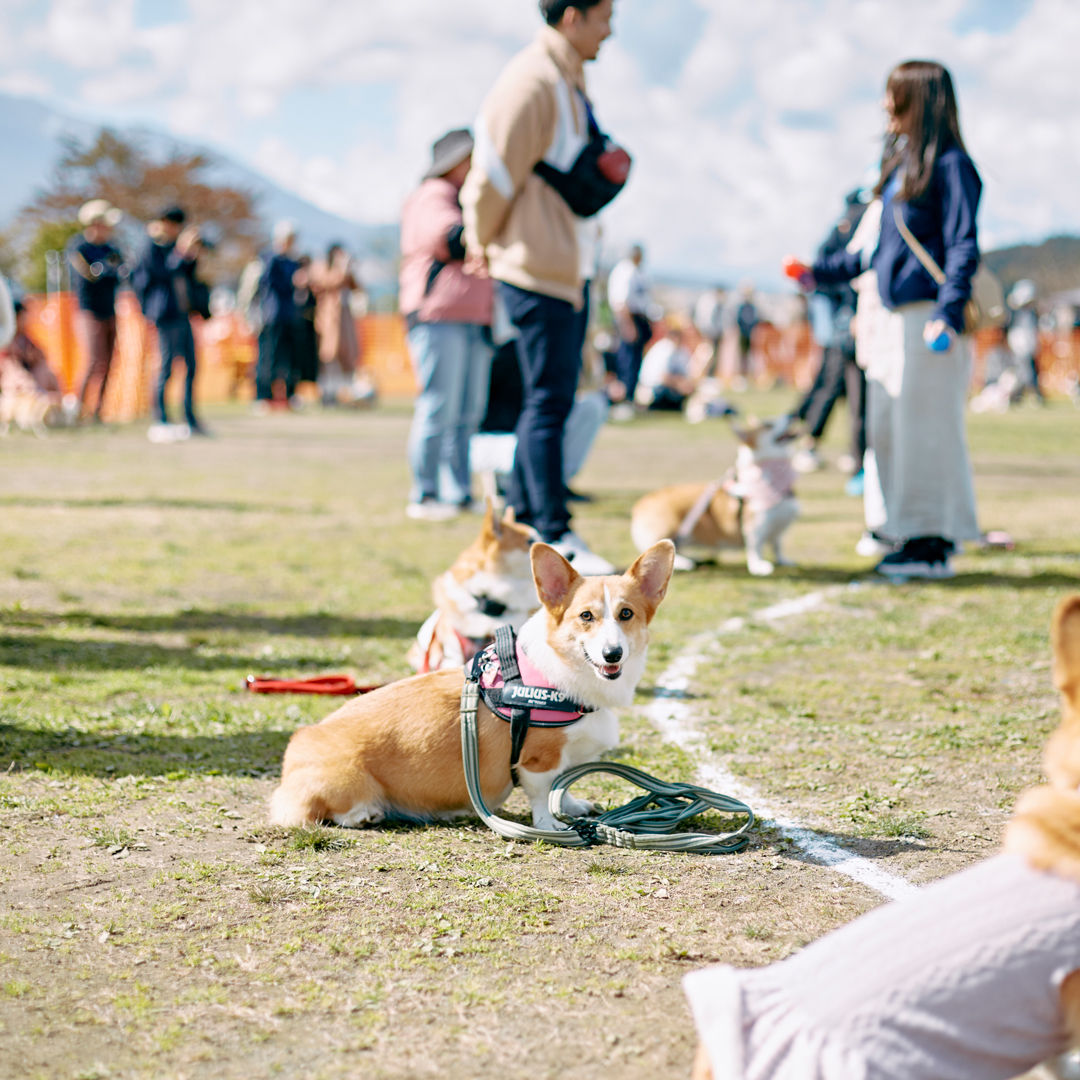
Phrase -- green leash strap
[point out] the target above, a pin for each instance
(644, 823)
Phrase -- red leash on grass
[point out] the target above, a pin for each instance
(338, 685)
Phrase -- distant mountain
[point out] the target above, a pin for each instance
(1054, 265)
(30, 134)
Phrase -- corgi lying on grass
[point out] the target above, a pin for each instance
(397, 752)
(489, 585)
(975, 977)
(752, 509)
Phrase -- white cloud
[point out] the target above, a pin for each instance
(743, 156)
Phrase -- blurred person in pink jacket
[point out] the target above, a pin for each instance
(448, 313)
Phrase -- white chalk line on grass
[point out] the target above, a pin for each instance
(674, 719)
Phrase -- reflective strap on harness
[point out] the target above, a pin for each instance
(644, 822)
(506, 650)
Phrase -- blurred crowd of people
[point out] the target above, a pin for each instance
(300, 310)
(517, 364)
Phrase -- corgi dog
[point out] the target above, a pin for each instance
(976, 974)
(750, 509)
(489, 585)
(23, 404)
(397, 752)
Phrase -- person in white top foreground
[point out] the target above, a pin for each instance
(629, 290)
(974, 977)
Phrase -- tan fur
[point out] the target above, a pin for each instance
(400, 745)
(488, 554)
(498, 537)
(399, 748)
(659, 514)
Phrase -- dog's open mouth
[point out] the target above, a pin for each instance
(609, 671)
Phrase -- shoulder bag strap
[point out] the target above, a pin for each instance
(917, 249)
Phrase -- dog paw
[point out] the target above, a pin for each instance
(578, 807)
(684, 562)
(760, 567)
(548, 823)
(359, 816)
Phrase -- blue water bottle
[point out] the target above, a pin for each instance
(941, 343)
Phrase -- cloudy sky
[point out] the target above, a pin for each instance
(747, 120)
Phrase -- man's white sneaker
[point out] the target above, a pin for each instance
(168, 433)
(871, 546)
(622, 412)
(576, 552)
(806, 460)
(431, 510)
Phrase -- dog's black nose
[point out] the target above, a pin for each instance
(612, 653)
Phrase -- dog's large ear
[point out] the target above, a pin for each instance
(492, 525)
(1065, 636)
(652, 572)
(555, 578)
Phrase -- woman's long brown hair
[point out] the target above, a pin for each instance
(923, 89)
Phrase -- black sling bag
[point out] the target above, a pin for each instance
(595, 178)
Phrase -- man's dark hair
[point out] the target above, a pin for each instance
(554, 10)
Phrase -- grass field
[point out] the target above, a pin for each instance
(153, 925)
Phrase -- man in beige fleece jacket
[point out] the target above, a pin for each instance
(519, 229)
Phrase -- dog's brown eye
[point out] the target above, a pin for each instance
(585, 616)
(625, 614)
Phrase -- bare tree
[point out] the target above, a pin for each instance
(117, 167)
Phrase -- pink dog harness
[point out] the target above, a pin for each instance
(515, 689)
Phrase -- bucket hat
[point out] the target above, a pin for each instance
(99, 212)
(449, 151)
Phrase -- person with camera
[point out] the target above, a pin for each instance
(541, 171)
(96, 268)
(169, 293)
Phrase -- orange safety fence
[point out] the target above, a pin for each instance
(227, 353)
(1058, 360)
(225, 348)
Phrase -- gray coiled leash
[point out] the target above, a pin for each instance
(645, 822)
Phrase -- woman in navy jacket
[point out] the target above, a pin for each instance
(917, 369)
